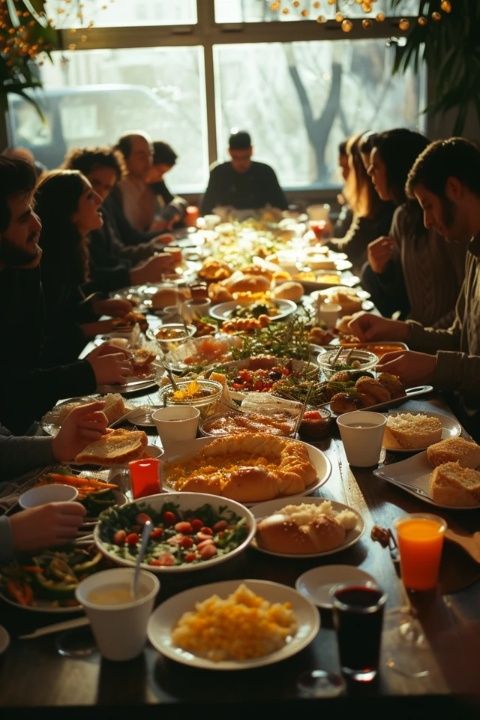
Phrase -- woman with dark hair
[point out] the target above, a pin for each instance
(68, 208)
(412, 270)
(371, 216)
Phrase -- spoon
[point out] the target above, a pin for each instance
(147, 529)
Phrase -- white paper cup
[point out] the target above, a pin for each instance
(362, 434)
(328, 313)
(176, 424)
(192, 309)
(56, 492)
(120, 629)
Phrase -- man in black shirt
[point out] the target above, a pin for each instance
(242, 183)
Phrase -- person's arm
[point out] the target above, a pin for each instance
(212, 196)
(276, 195)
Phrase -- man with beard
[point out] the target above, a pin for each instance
(27, 387)
(445, 180)
(242, 183)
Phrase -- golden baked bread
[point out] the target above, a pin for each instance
(248, 467)
(374, 390)
(249, 284)
(142, 359)
(288, 291)
(455, 449)
(412, 431)
(116, 447)
(165, 297)
(454, 485)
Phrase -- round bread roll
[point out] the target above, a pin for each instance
(278, 533)
(251, 284)
(257, 270)
(288, 291)
(373, 388)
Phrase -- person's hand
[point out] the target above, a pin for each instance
(413, 368)
(114, 307)
(108, 348)
(82, 425)
(152, 269)
(163, 239)
(46, 525)
(380, 252)
(111, 369)
(160, 225)
(369, 327)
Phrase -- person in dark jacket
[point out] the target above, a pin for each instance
(242, 183)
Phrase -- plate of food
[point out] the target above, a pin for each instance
(248, 468)
(414, 431)
(116, 447)
(447, 485)
(269, 622)
(45, 581)
(263, 373)
(202, 352)
(94, 493)
(192, 531)
(319, 280)
(305, 527)
(115, 409)
(274, 309)
(350, 299)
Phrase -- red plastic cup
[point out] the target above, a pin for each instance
(145, 477)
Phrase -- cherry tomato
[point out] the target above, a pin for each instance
(165, 559)
(169, 518)
(186, 542)
(206, 530)
(132, 538)
(142, 518)
(119, 537)
(207, 551)
(156, 533)
(189, 557)
(220, 525)
(184, 527)
(196, 524)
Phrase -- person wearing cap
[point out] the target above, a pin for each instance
(242, 183)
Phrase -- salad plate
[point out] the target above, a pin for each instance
(226, 311)
(165, 617)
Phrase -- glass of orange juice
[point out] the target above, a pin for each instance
(420, 542)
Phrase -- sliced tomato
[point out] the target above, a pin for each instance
(142, 518)
(164, 560)
(184, 527)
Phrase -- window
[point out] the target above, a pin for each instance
(193, 70)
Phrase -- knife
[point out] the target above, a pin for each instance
(56, 627)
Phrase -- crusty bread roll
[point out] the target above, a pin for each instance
(250, 284)
(454, 449)
(253, 269)
(278, 533)
(413, 431)
(288, 291)
(251, 484)
(116, 447)
(375, 390)
(454, 485)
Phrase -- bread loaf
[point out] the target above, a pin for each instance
(288, 291)
(412, 431)
(455, 449)
(249, 284)
(116, 447)
(454, 485)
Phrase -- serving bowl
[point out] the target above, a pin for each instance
(202, 394)
(166, 512)
(171, 335)
(347, 360)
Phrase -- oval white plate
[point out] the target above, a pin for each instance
(223, 310)
(318, 459)
(317, 583)
(450, 428)
(271, 506)
(165, 617)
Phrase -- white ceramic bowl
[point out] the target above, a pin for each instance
(46, 494)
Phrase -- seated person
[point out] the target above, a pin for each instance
(371, 216)
(54, 523)
(345, 216)
(29, 386)
(170, 208)
(242, 183)
(429, 268)
(445, 181)
(113, 264)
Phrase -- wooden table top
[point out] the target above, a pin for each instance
(35, 677)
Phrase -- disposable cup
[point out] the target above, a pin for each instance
(362, 434)
(119, 622)
(176, 424)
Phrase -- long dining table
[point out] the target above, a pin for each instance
(442, 677)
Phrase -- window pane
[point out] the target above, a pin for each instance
(121, 13)
(284, 11)
(91, 97)
(302, 99)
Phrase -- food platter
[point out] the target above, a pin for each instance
(320, 280)
(262, 510)
(223, 311)
(362, 297)
(413, 476)
(164, 618)
(318, 459)
(201, 352)
(183, 504)
(450, 428)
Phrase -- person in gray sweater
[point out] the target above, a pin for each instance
(54, 523)
(445, 180)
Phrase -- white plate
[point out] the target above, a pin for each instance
(185, 501)
(261, 510)
(450, 428)
(165, 617)
(318, 459)
(316, 584)
(4, 639)
(413, 476)
(223, 310)
(132, 384)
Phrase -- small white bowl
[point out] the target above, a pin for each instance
(42, 494)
